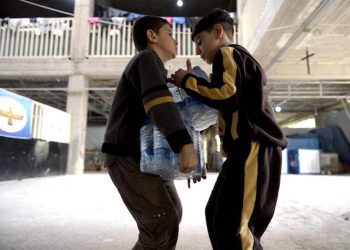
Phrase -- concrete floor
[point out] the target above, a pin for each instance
(85, 212)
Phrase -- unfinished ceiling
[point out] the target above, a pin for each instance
(318, 28)
(190, 8)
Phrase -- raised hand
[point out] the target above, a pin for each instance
(180, 73)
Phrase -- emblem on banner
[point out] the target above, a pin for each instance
(13, 116)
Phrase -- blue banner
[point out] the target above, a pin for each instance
(15, 115)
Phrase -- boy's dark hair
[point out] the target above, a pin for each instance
(140, 30)
(216, 16)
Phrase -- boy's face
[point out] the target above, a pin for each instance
(166, 43)
(207, 44)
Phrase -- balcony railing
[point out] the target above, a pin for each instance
(116, 40)
(51, 38)
(44, 37)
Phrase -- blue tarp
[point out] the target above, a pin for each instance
(303, 143)
(331, 139)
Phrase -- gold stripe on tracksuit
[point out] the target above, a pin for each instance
(234, 124)
(160, 100)
(249, 196)
(228, 89)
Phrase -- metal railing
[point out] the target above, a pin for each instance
(112, 40)
(325, 89)
(51, 38)
(46, 37)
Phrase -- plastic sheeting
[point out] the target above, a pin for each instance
(331, 139)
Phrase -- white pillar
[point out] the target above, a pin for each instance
(83, 9)
(77, 106)
(77, 98)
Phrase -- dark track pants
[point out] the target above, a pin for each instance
(244, 197)
(154, 203)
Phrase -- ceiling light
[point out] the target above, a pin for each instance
(179, 3)
(278, 109)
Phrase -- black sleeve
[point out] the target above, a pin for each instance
(220, 92)
(159, 103)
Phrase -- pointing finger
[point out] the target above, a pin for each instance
(189, 64)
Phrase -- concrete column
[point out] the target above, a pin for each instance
(77, 99)
(77, 106)
(83, 9)
(319, 122)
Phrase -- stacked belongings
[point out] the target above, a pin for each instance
(156, 155)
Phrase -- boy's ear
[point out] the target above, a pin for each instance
(151, 35)
(219, 31)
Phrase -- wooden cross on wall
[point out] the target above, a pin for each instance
(307, 59)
